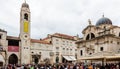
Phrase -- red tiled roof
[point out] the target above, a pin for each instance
(63, 36)
(13, 37)
(39, 41)
(45, 38)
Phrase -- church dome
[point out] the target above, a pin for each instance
(103, 20)
(25, 5)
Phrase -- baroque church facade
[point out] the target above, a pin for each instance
(25, 50)
(100, 42)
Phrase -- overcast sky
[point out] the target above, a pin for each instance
(62, 16)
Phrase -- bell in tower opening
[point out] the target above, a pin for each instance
(26, 16)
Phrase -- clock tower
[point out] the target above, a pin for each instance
(25, 34)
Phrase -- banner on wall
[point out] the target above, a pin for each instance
(13, 48)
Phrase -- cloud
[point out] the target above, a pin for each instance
(64, 16)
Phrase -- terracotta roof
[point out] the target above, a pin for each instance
(13, 38)
(39, 41)
(63, 36)
(45, 38)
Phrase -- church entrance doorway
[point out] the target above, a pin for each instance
(36, 60)
(13, 59)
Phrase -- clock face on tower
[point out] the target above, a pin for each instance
(26, 25)
(25, 36)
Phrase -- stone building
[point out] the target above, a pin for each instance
(64, 47)
(100, 42)
(25, 50)
(40, 51)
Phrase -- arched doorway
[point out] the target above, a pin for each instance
(36, 60)
(13, 59)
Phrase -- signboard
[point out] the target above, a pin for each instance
(13, 48)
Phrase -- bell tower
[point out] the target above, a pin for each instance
(25, 33)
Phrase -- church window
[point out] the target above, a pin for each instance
(119, 34)
(26, 16)
(81, 52)
(0, 36)
(87, 38)
(101, 48)
(92, 36)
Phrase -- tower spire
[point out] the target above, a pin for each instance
(25, 1)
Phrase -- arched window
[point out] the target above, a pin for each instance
(119, 34)
(81, 52)
(101, 48)
(26, 16)
(0, 36)
(92, 36)
(87, 38)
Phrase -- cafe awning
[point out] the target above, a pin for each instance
(67, 58)
(70, 58)
(73, 58)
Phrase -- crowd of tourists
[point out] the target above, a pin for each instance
(64, 66)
